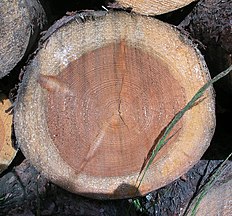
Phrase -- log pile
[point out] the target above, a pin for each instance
(99, 92)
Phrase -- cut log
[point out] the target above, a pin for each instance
(150, 7)
(217, 201)
(98, 95)
(21, 22)
(7, 152)
(211, 23)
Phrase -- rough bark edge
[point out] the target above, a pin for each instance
(77, 16)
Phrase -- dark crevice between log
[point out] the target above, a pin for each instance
(177, 16)
(220, 145)
(19, 158)
(57, 9)
(200, 183)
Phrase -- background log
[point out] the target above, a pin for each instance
(147, 7)
(7, 152)
(217, 200)
(210, 22)
(88, 115)
(20, 24)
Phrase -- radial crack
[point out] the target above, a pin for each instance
(93, 148)
(119, 105)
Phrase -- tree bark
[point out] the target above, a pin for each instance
(147, 7)
(7, 152)
(211, 23)
(21, 22)
(89, 114)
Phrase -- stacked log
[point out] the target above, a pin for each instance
(21, 22)
(211, 23)
(99, 92)
(154, 7)
(217, 200)
(96, 97)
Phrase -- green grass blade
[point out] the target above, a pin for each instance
(178, 116)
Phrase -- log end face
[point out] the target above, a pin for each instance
(108, 107)
(89, 124)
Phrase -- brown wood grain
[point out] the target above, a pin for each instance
(7, 152)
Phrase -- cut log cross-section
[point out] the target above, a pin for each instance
(20, 23)
(88, 115)
(7, 152)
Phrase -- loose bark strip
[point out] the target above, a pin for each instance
(88, 115)
(7, 152)
(20, 24)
